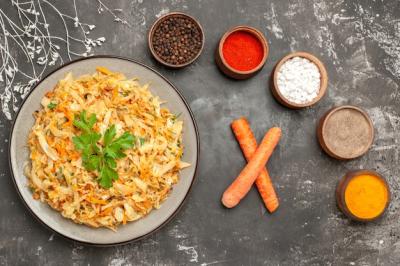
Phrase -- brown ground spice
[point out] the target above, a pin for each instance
(347, 132)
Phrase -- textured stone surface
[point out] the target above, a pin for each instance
(359, 43)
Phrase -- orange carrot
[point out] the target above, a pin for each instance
(248, 144)
(94, 200)
(103, 70)
(242, 184)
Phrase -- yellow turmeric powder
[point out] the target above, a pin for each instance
(366, 196)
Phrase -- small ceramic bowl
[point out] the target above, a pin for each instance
(324, 81)
(234, 73)
(334, 138)
(340, 194)
(154, 27)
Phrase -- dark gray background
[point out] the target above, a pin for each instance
(359, 42)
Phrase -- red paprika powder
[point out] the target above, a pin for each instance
(242, 51)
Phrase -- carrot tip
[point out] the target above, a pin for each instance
(273, 209)
(228, 201)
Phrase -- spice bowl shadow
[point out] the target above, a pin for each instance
(341, 189)
(229, 70)
(158, 22)
(323, 84)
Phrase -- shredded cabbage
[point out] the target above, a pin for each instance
(146, 174)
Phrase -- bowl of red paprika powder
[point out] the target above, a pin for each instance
(242, 52)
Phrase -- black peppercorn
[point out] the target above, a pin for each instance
(177, 40)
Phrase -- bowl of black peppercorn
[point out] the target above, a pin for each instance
(176, 40)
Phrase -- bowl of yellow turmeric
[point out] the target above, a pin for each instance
(363, 195)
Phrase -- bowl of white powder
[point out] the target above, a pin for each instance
(300, 80)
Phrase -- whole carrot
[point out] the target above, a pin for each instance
(242, 184)
(248, 144)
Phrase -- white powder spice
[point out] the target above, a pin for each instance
(299, 80)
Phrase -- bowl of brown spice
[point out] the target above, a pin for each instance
(176, 40)
(345, 132)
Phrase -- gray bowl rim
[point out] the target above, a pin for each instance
(162, 224)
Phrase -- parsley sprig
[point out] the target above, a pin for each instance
(52, 105)
(101, 158)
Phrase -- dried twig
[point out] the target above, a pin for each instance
(28, 47)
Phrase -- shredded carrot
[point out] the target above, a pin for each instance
(49, 94)
(60, 148)
(248, 144)
(103, 70)
(242, 184)
(107, 211)
(94, 200)
(34, 155)
(114, 93)
(74, 155)
(69, 115)
(49, 139)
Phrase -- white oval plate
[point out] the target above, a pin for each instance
(19, 153)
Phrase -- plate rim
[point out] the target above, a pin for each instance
(135, 239)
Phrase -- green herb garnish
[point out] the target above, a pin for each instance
(101, 158)
(51, 105)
